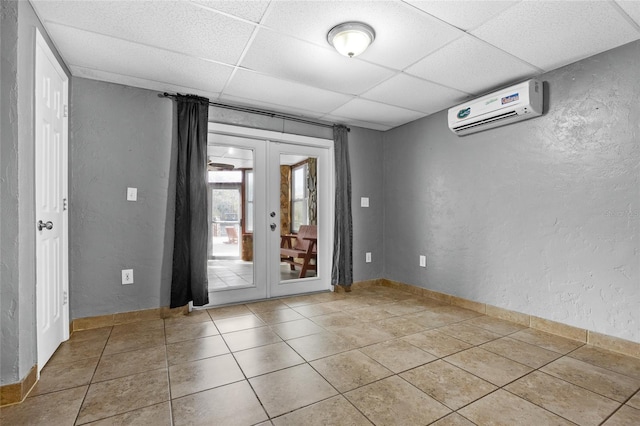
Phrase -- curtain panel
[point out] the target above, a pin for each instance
(342, 268)
(189, 277)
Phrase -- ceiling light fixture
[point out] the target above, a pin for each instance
(351, 38)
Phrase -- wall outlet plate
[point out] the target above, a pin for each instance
(127, 276)
(132, 194)
(367, 257)
(364, 201)
(423, 261)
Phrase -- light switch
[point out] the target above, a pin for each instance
(132, 194)
(364, 202)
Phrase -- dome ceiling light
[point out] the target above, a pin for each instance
(351, 38)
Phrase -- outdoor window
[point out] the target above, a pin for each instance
(299, 197)
(248, 196)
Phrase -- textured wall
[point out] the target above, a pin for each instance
(365, 155)
(120, 137)
(541, 217)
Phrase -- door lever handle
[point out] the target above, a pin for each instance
(42, 225)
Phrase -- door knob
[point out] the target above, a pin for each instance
(42, 225)
(273, 226)
(272, 214)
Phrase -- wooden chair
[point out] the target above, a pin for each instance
(231, 234)
(302, 245)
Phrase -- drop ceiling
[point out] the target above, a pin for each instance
(427, 56)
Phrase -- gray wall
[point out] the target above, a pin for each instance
(541, 217)
(122, 136)
(17, 186)
(365, 155)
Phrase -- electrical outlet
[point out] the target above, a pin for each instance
(367, 257)
(364, 201)
(127, 276)
(423, 261)
(132, 194)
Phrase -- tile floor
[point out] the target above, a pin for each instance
(373, 356)
(224, 274)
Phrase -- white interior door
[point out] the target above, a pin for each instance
(51, 96)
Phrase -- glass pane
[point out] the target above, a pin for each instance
(230, 263)
(298, 213)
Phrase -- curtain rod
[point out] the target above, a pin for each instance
(258, 111)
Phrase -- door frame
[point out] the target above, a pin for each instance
(41, 43)
(291, 139)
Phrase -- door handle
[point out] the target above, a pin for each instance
(273, 226)
(42, 225)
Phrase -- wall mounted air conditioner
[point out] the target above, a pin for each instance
(519, 102)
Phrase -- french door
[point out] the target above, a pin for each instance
(274, 236)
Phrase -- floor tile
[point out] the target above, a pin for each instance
(320, 345)
(392, 401)
(137, 327)
(399, 326)
(524, 353)
(333, 411)
(132, 362)
(455, 313)
(250, 338)
(286, 390)
(563, 398)
(266, 306)
(56, 408)
(136, 340)
(229, 312)
(315, 310)
(502, 408)
(179, 333)
(233, 404)
(398, 355)
(428, 319)
(495, 325)
(625, 416)
(195, 316)
(436, 343)
(450, 385)
(335, 319)
(229, 325)
(191, 350)
(453, 419)
(546, 340)
(156, 415)
(295, 301)
(634, 401)
(629, 366)
(101, 333)
(596, 379)
(265, 359)
(403, 308)
(488, 366)
(295, 329)
(73, 351)
(65, 376)
(350, 370)
(362, 334)
(196, 376)
(117, 396)
(469, 333)
(372, 313)
(279, 315)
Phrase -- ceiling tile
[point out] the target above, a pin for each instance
(416, 94)
(262, 88)
(357, 123)
(464, 14)
(557, 33)
(98, 52)
(159, 86)
(472, 66)
(173, 25)
(402, 35)
(631, 8)
(374, 112)
(316, 66)
(250, 10)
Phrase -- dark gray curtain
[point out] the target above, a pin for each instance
(342, 270)
(189, 279)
